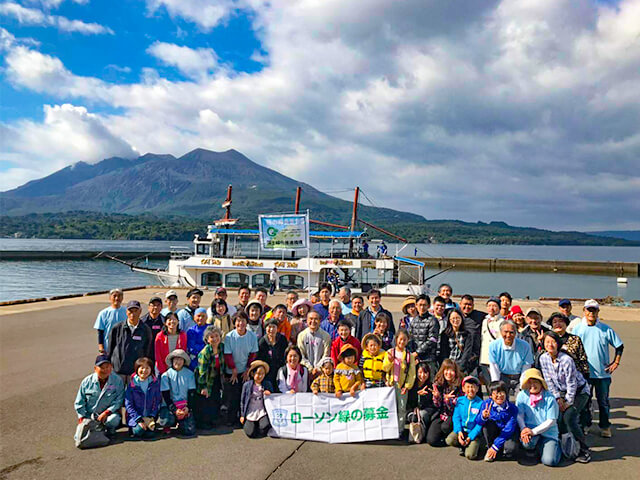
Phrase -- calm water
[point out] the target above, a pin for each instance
(30, 279)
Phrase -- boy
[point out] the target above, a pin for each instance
(178, 386)
(347, 377)
(466, 432)
(498, 417)
(344, 338)
(195, 339)
(372, 360)
(324, 382)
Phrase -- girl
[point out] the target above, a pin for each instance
(410, 312)
(300, 309)
(195, 339)
(254, 312)
(456, 343)
(420, 404)
(253, 414)
(142, 399)
(209, 378)
(293, 377)
(347, 377)
(372, 360)
(219, 316)
(271, 348)
(381, 328)
(400, 367)
(446, 390)
(169, 339)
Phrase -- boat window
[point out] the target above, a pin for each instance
(211, 279)
(260, 280)
(236, 280)
(203, 249)
(288, 282)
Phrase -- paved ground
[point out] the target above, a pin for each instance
(47, 348)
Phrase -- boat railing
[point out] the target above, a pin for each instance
(180, 253)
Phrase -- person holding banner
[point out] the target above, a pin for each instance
(253, 414)
(293, 377)
(400, 366)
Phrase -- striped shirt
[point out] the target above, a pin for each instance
(562, 377)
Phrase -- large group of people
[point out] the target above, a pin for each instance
(193, 368)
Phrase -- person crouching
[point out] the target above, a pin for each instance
(142, 399)
(178, 387)
(253, 414)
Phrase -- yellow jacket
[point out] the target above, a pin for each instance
(372, 367)
(407, 369)
(345, 377)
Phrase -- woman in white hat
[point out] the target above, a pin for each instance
(538, 419)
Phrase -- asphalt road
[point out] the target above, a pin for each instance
(46, 349)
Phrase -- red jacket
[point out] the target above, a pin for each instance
(337, 345)
(162, 349)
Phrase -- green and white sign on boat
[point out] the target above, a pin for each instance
(284, 232)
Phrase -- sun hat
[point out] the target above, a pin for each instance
(303, 301)
(592, 304)
(407, 301)
(559, 315)
(253, 302)
(324, 360)
(171, 293)
(345, 348)
(178, 353)
(258, 363)
(532, 374)
(368, 337)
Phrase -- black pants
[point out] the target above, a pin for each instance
(231, 398)
(207, 410)
(491, 431)
(438, 431)
(257, 429)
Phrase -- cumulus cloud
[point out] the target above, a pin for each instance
(33, 16)
(205, 13)
(525, 111)
(194, 63)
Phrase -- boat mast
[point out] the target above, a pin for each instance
(298, 194)
(354, 219)
(227, 216)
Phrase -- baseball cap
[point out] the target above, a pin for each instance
(563, 302)
(171, 293)
(100, 359)
(221, 290)
(591, 304)
(133, 304)
(155, 300)
(533, 310)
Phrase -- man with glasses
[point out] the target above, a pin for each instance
(509, 357)
(596, 338)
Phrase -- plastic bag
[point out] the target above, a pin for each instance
(570, 446)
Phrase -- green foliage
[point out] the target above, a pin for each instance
(90, 225)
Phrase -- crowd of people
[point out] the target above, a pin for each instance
(195, 368)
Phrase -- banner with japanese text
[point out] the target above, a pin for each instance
(370, 415)
(284, 232)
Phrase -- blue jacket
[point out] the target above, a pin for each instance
(135, 400)
(505, 417)
(91, 399)
(464, 416)
(195, 343)
(246, 394)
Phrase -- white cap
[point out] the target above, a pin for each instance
(591, 304)
(170, 293)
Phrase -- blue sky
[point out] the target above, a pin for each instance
(511, 98)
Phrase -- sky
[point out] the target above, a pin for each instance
(523, 111)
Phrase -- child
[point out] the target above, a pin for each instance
(420, 405)
(410, 312)
(169, 339)
(279, 313)
(178, 386)
(220, 316)
(466, 432)
(209, 379)
(400, 366)
(324, 382)
(344, 338)
(446, 390)
(142, 400)
(381, 328)
(254, 312)
(293, 377)
(347, 377)
(372, 360)
(195, 342)
(498, 418)
(253, 414)
(538, 420)
(300, 309)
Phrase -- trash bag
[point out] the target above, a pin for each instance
(90, 434)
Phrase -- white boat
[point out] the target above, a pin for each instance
(231, 258)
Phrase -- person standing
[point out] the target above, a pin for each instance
(366, 319)
(344, 295)
(185, 315)
(505, 303)
(314, 344)
(596, 337)
(325, 297)
(533, 333)
(509, 357)
(244, 295)
(489, 331)
(129, 341)
(109, 318)
(273, 280)
(170, 303)
(424, 334)
(153, 318)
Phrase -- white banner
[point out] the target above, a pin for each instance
(283, 232)
(370, 415)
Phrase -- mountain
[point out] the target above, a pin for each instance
(632, 235)
(193, 185)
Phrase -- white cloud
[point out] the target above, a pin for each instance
(205, 13)
(526, 111)
(32, 16)
(194, 63)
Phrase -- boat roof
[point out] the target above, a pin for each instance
(312, 233)
(409, 261)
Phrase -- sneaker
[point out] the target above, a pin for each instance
(605, 432)
(586, 430)
(584, 456)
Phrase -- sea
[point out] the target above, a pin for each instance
(44, 278)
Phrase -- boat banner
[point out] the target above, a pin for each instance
(284, 232)
(370, 415)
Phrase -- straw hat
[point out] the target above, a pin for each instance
(368, 337)
(533, 374)
(259, 363)
(178, 353)
(408, 301)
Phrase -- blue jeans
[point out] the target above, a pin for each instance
(601, 387)
(549, 449)
(569, 420)
(186, 426)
